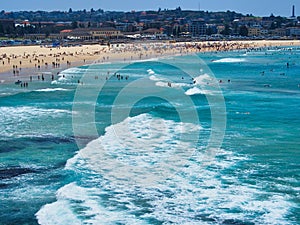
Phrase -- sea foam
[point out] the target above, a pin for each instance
(230, 60)
(51, 89)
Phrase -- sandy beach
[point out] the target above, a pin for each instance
(19, 61)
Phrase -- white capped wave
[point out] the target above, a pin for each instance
(203, 79)
(64, 81)
(73, 70)
(145, 60)
(117, 185)
(177, 85)
(230, 60)
(150, 72)
(19, 121)
(51, 89)
(162, 84)
(172, 85)
(154, 78)
(142, 135)
(75, 206)
(23, 112)
(130, 152)
(195, 91)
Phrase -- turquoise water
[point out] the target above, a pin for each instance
(173, 142)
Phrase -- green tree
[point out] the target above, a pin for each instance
(226, 31)
(74, 24)
(209, 31)
(243, 31)
(1, 29)
(273, 26)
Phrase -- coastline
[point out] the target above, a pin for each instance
(21, 62)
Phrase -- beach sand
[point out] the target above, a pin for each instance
(20, 61)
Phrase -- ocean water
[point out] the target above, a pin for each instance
(212, 138)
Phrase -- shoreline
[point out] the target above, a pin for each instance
(17, 63)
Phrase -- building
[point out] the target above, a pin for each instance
(220, 29)
(250, 21)
(125, 27)
(91, 33)
(293, 32)
(278, 32)
(42, 36)
(154, 33)
(264, 32)
(105, 33)
(254, 31)
(139, 26)
(197, 28)
(267, 22)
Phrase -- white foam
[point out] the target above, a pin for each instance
(198, 91)
(161, 84)
(145, 60)
(72, 71)
(18, 121)
(154, 78)
(57, 213)
(203, 79)
(142, 135)
(76, 205)
(64, 81)
(150, 72)
(52, 90)
(128, 158)
(199, 191)
(23, 112)
(230, 60)
(195, 91)
(172, 85)
(177, 85)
